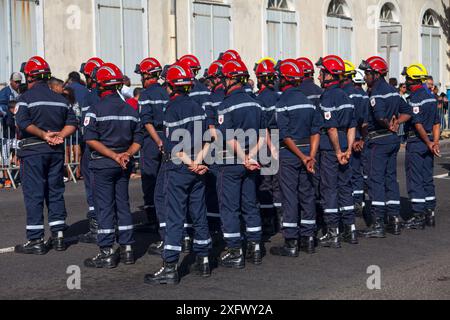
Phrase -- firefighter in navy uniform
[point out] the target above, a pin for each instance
(217, 96)
(361, 102)
(152, 102)
(45, 120)
(383, 146)
(423, 145)
(336, 144)
(91, 98)
(299, 122)
(268, 185)
(200, 94)
(233, 55)
(114, 134)
(236, 181)
(185, 178)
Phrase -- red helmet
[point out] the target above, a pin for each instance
(35, 66)
(375, 64)
(265, 68)
(306, 65)
(88, 67)
(234, 69)
(108, 75)
(190, 61)
(148, 66)
(214, 69)
(332, 64)
(179, 75)
(230, 55)
(290, 69)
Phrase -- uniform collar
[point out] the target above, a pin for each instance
(346, 85)
(236, 91)
(308, 80)
(333, 86)
(378, 83)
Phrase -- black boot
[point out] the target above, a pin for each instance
(187, 245)
(290, 249)
(376, 230)
(152, 220)
(91, 236)
(430, 218)
(308, 244)
(127, 255)
(395, 225)
(36, 246)
(156, 249)
(254, 253)
(350, 234)
(331, 239)
(417, 222)
(202, 267)
(107, 258)
(168, 274)
(233, 258)
(57, 241)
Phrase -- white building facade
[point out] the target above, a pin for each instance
(67, 32)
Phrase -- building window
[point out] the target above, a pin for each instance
(431, 39)
(390, 38)
(18, 34)
(211, 31)
(122, 34)
(339, 29)
(281, 30)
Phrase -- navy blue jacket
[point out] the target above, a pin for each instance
(338, 112)
(91, 98)
(217, 97)
(423, 110)
(6, 95)
(311, 90)
(385, 103)
(48, 111)
(153, 102)
(360, 100)
(80, 92)
(183, 112)
(112, 122)
(240, 111)
(268, 99)
(297, 118)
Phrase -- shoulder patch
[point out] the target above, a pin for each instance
(87, 120)
(327, 115)
(167, 132)
(221, 119)
(373, 102)
(16, 108)
(416, 110)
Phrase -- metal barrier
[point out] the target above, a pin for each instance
(73, 154)
(9, 162)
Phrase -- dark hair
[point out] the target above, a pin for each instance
(393, 82)
(137, 91)
(443, 95)
(430, 78)
(74, 77)
(69, 94)
(12, 104)
(54, 80)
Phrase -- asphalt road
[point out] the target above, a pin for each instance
(415, 265)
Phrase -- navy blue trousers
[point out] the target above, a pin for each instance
(357, 177)
(384, 190)
(236, 188)
(185, 191)
(150, 162)
(42, 181)
(297, 187)
(87, 176)
(336, 190)
(419, 177)
(113, 207)
(160, 198)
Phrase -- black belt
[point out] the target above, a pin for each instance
(413, 134)
(324, 131)
(306, 142)
(29, 142)
(97, 156)
(379, 134)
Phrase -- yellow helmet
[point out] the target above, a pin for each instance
(265, 59)
(350, 69)
(416, 71)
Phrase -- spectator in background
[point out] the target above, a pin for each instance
(393, 82)
(74, 82)
(56, 85)
(8, 142)
(126, 91)
(403, 91)
(10, 93)
(134, 101)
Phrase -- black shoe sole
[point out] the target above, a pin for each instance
(331, 245)
(37, 253)
(238, 267)
(287, 255)
(161, 282)
(374, 236)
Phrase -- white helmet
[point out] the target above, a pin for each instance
(359, 77)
